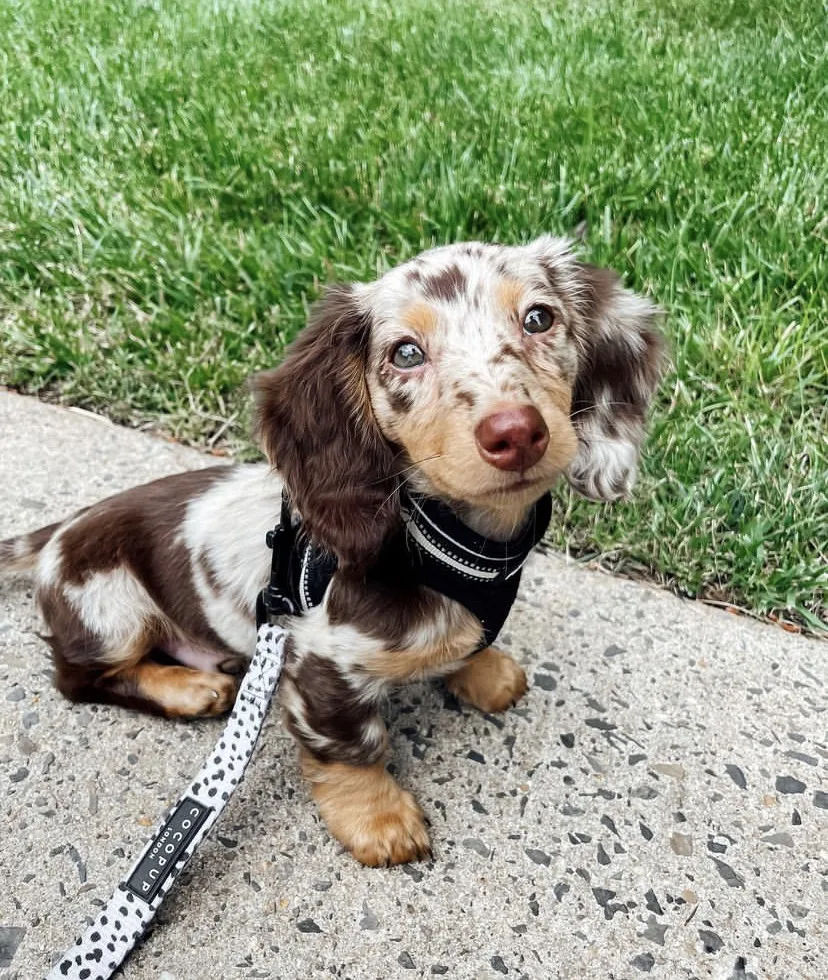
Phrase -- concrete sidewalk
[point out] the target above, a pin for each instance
(657, 805)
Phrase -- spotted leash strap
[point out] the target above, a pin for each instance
(129, 912)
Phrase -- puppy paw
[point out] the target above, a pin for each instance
(191, 693)
(490, 680)
(365, 809)
(394, 834)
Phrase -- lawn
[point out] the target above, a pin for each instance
(179, 178)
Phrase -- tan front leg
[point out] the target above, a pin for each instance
(490, 680)
(367, 811)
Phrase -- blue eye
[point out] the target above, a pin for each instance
(538, 320)
(408, 355)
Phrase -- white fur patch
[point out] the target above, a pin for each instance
(227, 526)
(343, 645)
(113, 605)
(49, 562)
(604, 468)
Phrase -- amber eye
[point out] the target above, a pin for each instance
(408, 355)
(538, 320)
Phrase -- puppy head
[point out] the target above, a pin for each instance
(498, 369)
(479, 373)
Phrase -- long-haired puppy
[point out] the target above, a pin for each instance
(474, 375)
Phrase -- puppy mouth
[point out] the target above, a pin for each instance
(515, 487)
(522, 484)
(493, 488)
(539, 482)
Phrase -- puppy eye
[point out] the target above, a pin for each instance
(538, 320)
(408, 355)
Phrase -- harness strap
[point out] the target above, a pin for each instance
(275, 599)
(480, 573)
(128, 913)
(435, 549)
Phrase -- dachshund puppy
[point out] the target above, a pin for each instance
(461, 384)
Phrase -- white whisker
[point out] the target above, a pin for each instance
(590, 408)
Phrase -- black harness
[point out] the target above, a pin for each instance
(437, 548)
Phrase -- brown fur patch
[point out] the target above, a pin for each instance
(209, 572)
(508, 352)
(490, 680)
(399, 399)
(384, 608)
(624, 363)
(600, 284)
(334, 710)
(447, 284)
(368, 812)
(420, 630)
(79, 656)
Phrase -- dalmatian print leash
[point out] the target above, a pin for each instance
(134, 903)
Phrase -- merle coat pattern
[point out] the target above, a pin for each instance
(478, 374)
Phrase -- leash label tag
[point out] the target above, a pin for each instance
(168, 846)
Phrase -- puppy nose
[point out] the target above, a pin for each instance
(513, 438)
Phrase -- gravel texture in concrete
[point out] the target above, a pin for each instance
(656, 805)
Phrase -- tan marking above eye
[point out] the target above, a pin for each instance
(509, 294)
(421, 319)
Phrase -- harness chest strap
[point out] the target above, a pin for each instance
(436, 549)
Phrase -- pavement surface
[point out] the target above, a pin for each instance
(657, 805)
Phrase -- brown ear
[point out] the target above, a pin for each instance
(316, 425)
(620, 364)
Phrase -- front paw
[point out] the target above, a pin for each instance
(392, 834)
(490, 680)
(365, 809)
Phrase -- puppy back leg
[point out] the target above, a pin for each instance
(119, 670)
(343, 742)
(175, 692)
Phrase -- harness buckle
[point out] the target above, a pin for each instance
(274, 599)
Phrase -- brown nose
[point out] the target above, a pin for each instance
(512, 439)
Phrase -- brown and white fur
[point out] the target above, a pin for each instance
(150, 595)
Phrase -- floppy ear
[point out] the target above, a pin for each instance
(315, 422)
(620, 364)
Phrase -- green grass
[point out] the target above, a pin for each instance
(179, 178)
